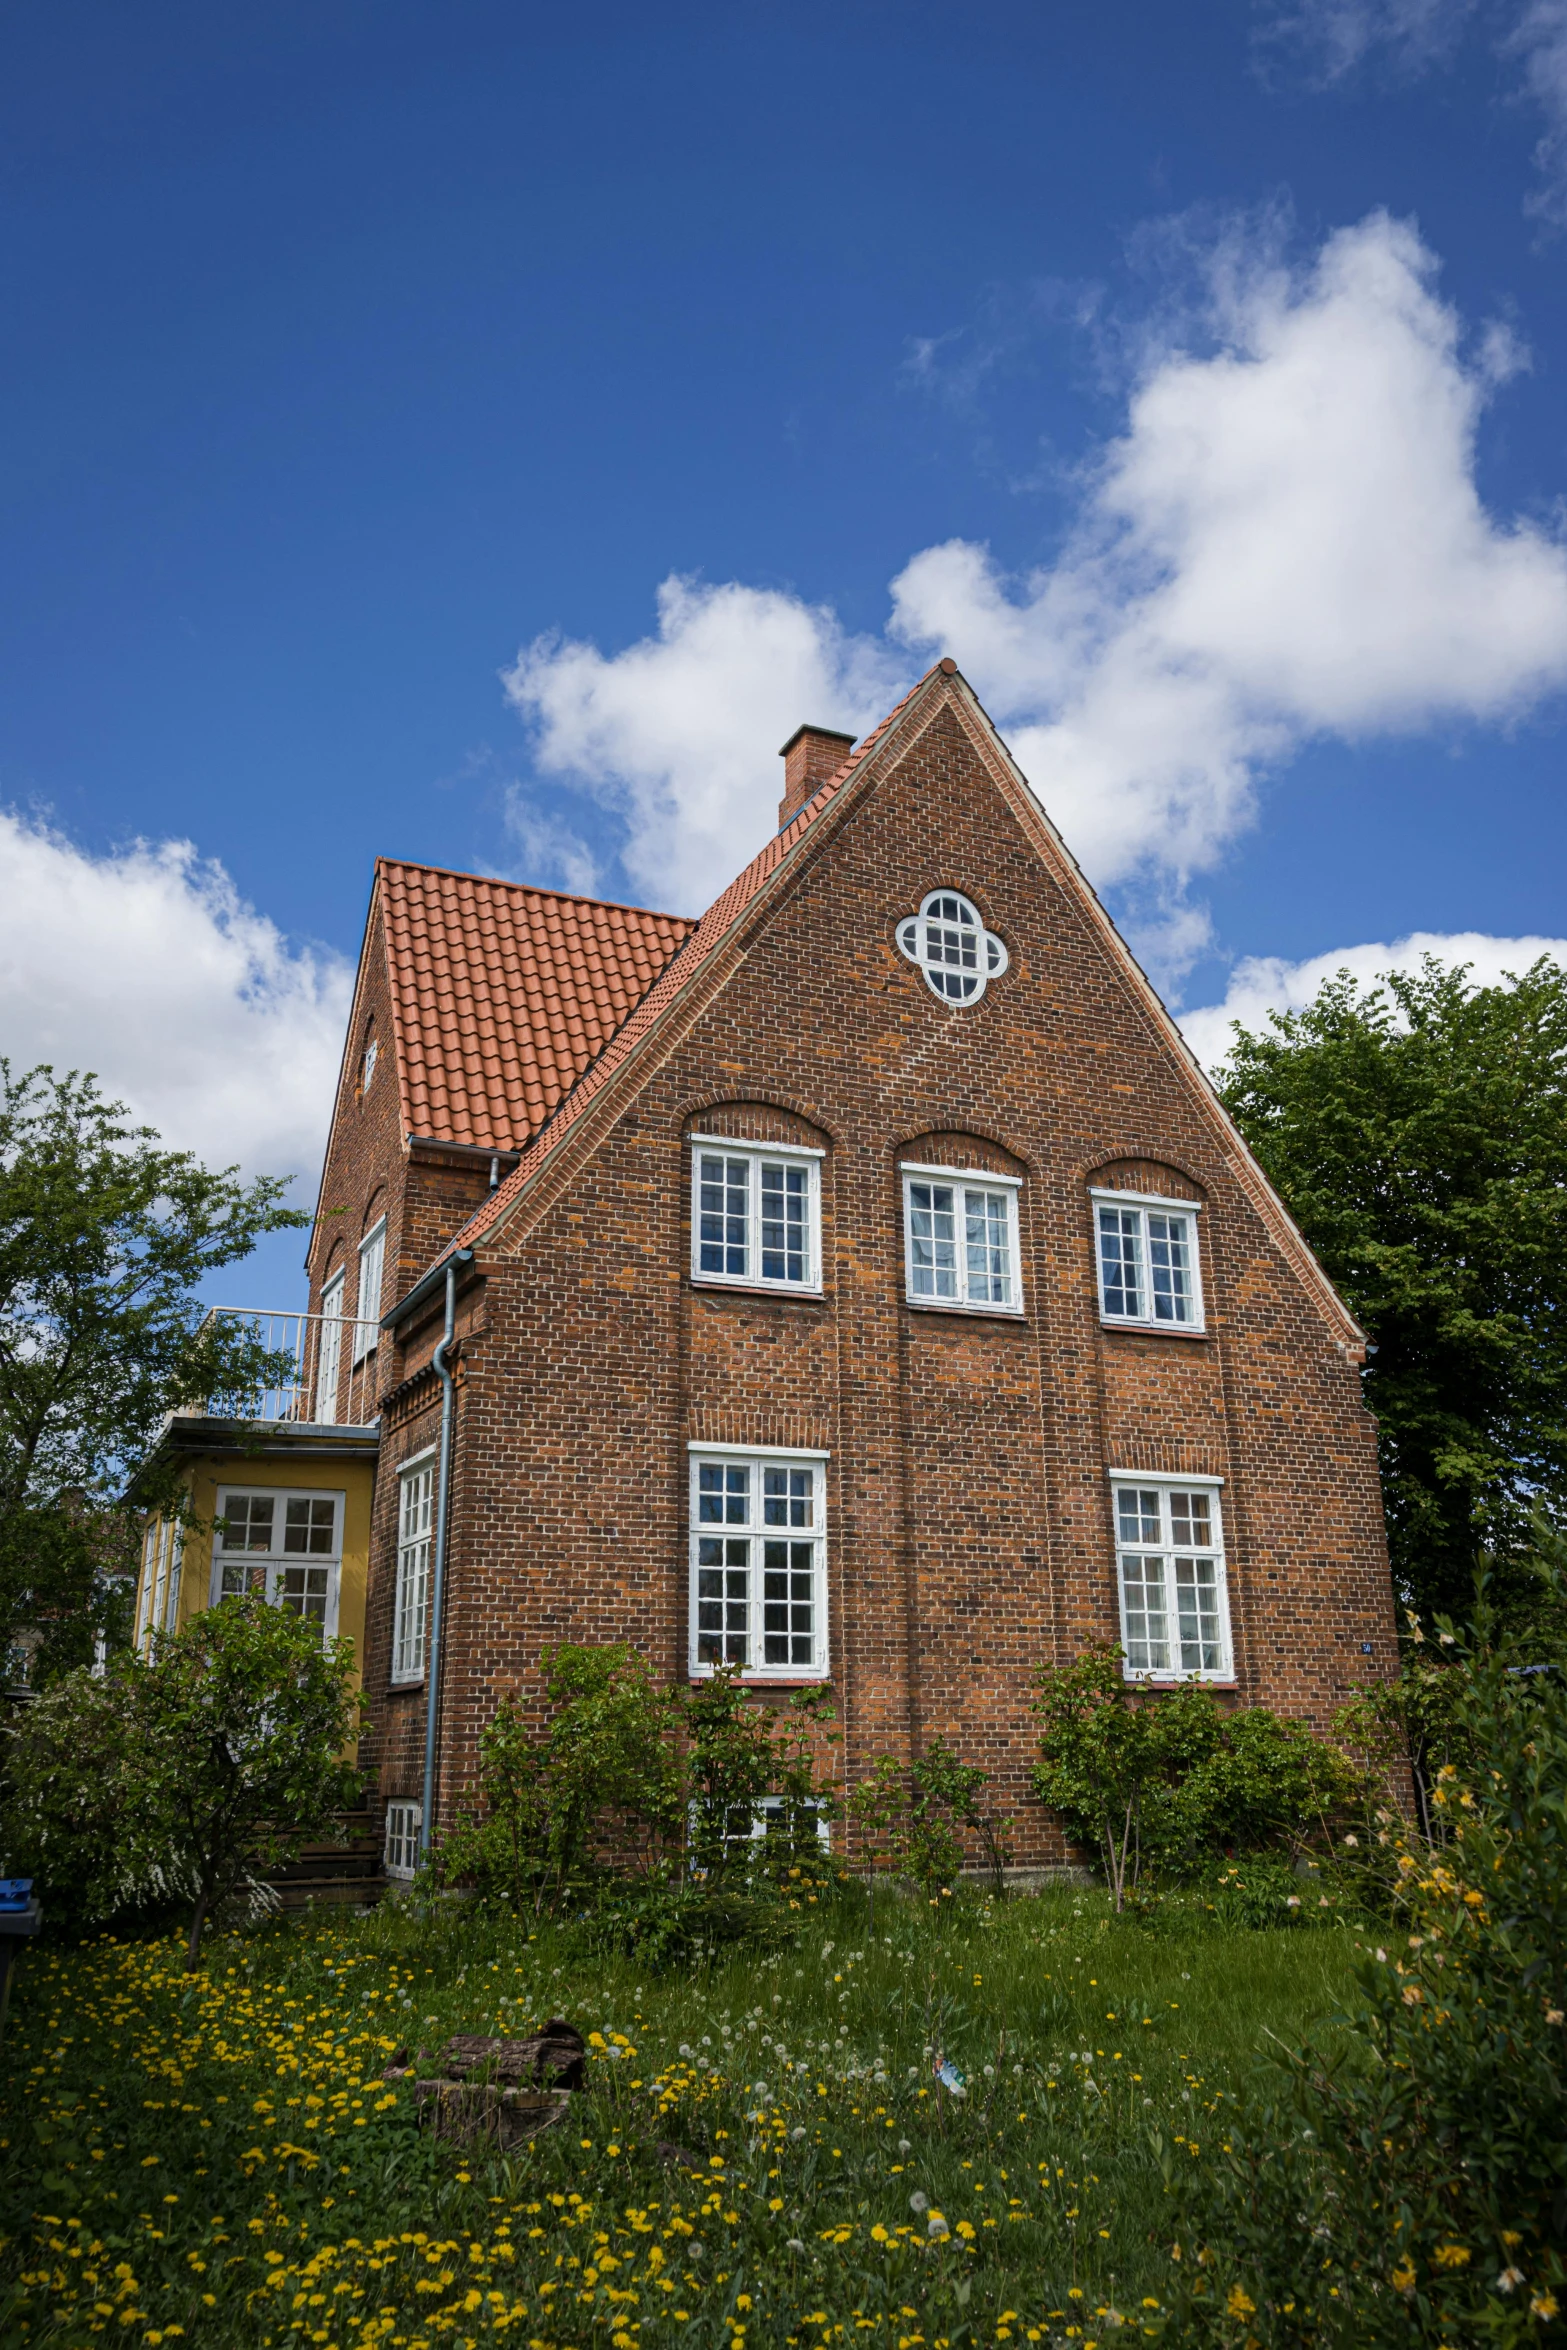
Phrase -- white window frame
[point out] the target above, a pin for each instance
(415, 1559)
(962, 1180)
(1168, 1549)
(751, 1534)
(756, 1156)
(329, 1347)
(947, 941)
(1145, 1204)
(266, 1569)
(400, 1843)
(367, 1062)
(372, 1278)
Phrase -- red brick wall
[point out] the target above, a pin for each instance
(970, 1532)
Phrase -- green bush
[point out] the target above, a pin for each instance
(1173, 1784)
(915, 1822)
(1412, 2188)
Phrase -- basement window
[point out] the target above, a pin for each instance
(402, 1839)
(1147, 1261)
(1175, 1616)
(756, 1214)
(759, 1563)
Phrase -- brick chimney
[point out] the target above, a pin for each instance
(811, 754)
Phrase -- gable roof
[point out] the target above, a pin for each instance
(502, 996)
(942, 687)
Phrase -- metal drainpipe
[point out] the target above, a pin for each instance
(441, 1366)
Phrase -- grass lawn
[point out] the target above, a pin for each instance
(215, 2159)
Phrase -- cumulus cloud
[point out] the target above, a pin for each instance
(147, 967)
(1539, 42)
(1267, 983)
(1286, 541)
(679, 733)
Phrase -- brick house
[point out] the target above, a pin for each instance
(861, 1284)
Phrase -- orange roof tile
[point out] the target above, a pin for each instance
(502, 996)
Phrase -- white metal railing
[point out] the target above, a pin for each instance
(331, 1368)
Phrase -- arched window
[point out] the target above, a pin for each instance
(367, 1064)
(948, 940)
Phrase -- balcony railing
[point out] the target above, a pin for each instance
(324, 1368)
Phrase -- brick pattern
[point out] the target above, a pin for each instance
(970, 1535)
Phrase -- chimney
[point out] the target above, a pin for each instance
(811, 754)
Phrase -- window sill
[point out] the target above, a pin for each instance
(696, 1674)
(405, 1688)
(950, 1305)
(1153, 1329)
(786, 1289)
(1160, 1684)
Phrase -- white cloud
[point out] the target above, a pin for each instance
(147, 967)
(1286, 541)
(1539, 41)
(553, 856)
(1267, 983)
(679, 734)
(1337, 36)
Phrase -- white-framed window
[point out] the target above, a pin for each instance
(752, 1823)
(759, 1562)
(367, 1065)
(756, 1213)
(415, 1524)
(372, 1261)
(285, 1543)
(403, 1822)
(960, 1239)
(1175, 1613)
(163, 1554)
(947, 938)
(1146, 1250)
(329, 1350)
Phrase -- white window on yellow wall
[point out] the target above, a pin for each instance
(162, 1557)
(286, 1544)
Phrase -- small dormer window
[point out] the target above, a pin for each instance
(367, 1066)
(948, 940)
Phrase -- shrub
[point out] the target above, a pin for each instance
(914, 1821)
(1172, 1780)
(189, 1773)
(1412, 2187)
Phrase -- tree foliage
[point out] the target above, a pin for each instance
(1417, 1131)
(188, 1773)
(104, 1240)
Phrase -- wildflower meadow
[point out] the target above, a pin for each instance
(766, 2151)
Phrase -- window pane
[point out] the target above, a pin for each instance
(787, 1497)
(952, 948)
(1120, 1261)
(987, 1241)
(1169, 1267)
(1137, 1513)
(722, 1600)
(785, 1200)
(933, 1240)
(238, 1579)
(1197, 1611)
(302, 1591)
(1191, 1523)
(247, 1521)
(308, 1526)
(788, 1603)
(723, 1210)
(723, 1495)
(1143, 1610)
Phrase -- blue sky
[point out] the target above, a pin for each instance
(373, 372)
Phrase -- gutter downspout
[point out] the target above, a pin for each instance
(441, 1365)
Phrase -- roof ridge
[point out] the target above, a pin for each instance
(570, 897)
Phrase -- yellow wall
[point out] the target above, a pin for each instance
(355, 1479)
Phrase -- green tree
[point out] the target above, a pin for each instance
(104, 1240)
(186, 1774)
(1417, 1131)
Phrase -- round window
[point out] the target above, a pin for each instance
(951, 945)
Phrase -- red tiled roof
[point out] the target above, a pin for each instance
(714, 926)
(502, 996)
